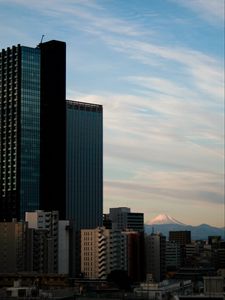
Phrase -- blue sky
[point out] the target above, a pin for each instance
(157, 67)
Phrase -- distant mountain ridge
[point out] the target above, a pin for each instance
(164, 223)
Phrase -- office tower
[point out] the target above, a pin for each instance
(84, 177)
(13, 246)
(155, 256)
(122, 218)
(84, 164)
(32, 129)
(53, 127)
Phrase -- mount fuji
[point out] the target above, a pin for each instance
(164, 223)
(164, 219)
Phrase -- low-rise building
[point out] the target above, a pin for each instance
(164, 290)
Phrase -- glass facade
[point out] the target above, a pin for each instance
(9, 107)
(84, 164)
(32, 129)
(29, 130)
(19, 131)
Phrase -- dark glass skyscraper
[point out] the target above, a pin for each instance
(32, 129)
(84, 164)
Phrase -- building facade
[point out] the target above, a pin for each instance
(45, 238)
(155, 256)
(181, 237)
(13, 246)
(94, 250)
(172, 256)
(84, 199)
(32, 129)
(122, 218)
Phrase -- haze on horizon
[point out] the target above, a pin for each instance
(157, 67)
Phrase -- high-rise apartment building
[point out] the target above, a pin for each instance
(32, 129)
(94, 250)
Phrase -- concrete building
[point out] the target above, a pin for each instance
(44, 236)
(135, 254)
(213, 285)
(155, 256)
(95, 251)
(172, 256)
(165, 290)
(180, 237)
(13, 246)
(63, 246)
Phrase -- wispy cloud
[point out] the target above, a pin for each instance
(212, 11)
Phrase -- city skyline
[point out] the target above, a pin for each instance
(157, 69)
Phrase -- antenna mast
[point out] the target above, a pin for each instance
(42, 38)
(40, 41)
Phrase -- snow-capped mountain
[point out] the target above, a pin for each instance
(164, 219)
(164, 223)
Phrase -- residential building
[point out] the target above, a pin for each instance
(45, 237)
(105, 250)
(94, 250)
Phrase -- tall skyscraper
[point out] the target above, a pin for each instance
(84, 177)
(84, 164)
(32, 129)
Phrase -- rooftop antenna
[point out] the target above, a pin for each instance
(41, 40)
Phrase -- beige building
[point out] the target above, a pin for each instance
(105, 250)
(94, 250)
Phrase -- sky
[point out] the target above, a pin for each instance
(157, 67)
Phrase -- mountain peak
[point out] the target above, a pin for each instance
(164, 219)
